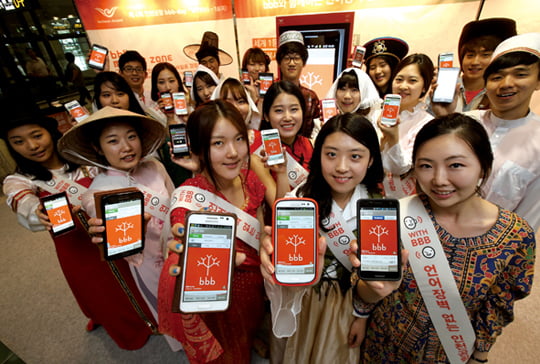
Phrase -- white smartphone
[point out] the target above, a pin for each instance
(358, 56)
(272, 146)
(446, 85)
(446, 60)
(76, 110)
(390, 109)
(208, 262)
(295, 222)
(329, 109)
(180, 104)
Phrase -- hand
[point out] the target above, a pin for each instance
(357, 332)
(276, 168)
(191, 163)
(390, 133)
(43, 217)
(443, 108)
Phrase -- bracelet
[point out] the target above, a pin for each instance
(479, 360)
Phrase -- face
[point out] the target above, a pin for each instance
(204, 90)
(291, 67)
(510, 90)
(254, 68)
(134, 74)
(109, 96)
(409, 84)
(380, 72)
(32, 142)
(121, 146)
(447, 171)
(348, 98)
(475, 63)
(167, 82)
(212, 63)
(228, 151)
(241, 104)
(286, 116)
(344, 163)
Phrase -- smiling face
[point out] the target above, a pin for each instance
(167, 82)
(348, 98)
(291, 67)
(32, 142)
(120, 144)
(203, 90)
(474, 63)
(380, 72)
(212, 63)
(409, 84)
(286, 116)
(228, 151)
(134, 74)
(110, 96)
(254, 68)
(510, 90)
(447, 171)
(344, 164)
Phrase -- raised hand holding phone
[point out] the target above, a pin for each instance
(58, 211)
(390, 111)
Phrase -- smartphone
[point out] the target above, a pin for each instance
(98, 56)
(329, 109)
(188, 78)
(208, 262)
(378, 239)
(446, 85)
(179, 140)
(58, 210)
(76, 110)
(267, 79)
(123, 213)
(295, 222)
(272, 146)
(390, 110)
(168, 105)
(446, 60)
(245, 77)
(180, 103)
(358, 56)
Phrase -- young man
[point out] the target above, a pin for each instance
(133, 69)
(511, 79)
(208, 53)
(291, 57)
(477, 42)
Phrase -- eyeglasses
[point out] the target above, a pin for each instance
(130, 69)
(295, 59)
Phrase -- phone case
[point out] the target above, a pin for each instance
(179, 278)
(59, 215)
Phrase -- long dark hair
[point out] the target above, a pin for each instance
(200, 125)
(425, 68)
(120, 84)
(273, 92)
(360, 129)
(204, 77)
(154, 93)
(392, 62)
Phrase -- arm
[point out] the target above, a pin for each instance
(23, 200)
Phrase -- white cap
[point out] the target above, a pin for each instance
(291, 36)
(528, 42)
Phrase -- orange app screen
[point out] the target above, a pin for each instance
(97, 57)
(123, 226)
(77, 112)
(207, 263)
(59, 214)
(295, 250)
(378, 239)
(179, 103)
(272, 144)
(329, 109)
(266, 82)
(390, 111)
(446, 64)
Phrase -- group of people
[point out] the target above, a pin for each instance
(469, 166)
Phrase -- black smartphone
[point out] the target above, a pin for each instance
(123, 214)
(379, 248)
(267, 79)
(188, 78)
(98, 56)
(179, 140)
(245, 77)
(58, 210)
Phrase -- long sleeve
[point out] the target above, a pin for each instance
(22, 198)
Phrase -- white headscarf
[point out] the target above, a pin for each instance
(369, 96)
(202, 68)
(253, 118)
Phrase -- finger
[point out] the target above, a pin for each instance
(177, 230)
(175, 246)
(97, 239)
(96, 229)
(239, 258)
(174, 270)
(75, 209)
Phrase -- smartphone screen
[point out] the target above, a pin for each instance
(76, 110)
(167, 98)
(208, 262)
(123, 215)
(329, 109)
(188, 78)
(446, 60)
(446, 85)
(272, 146)
(98, 57)
(266, 81)
(59, 213)
(179, 140)
(180, 104)
(358, 58)
(295, 237)
(390, 109)
(378, 230)
(245, 77)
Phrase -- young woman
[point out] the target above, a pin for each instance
(345, 167)
(165, 78)
(255, 61)
(218, 136)
(489, 253)
(111, 89)
(233, 91)
(204, 83)
(41, 171)
(118, 141)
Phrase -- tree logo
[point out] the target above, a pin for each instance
(209, 261)
(378, 231)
